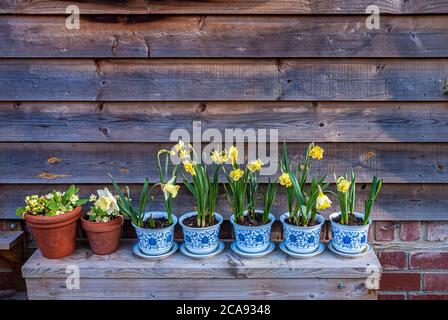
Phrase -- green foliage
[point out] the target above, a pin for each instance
(136, 214)
(166, 178)
(375, 188)
(53, 204)
(236, 194)
(347, 198)
(204, 189)
(268, 199)
(301, 202)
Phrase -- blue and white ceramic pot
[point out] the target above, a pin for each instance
(201, 240)
(252, 239)
(349, 239)
(155, 242)
(302, 239)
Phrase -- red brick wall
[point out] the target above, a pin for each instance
(414, 256)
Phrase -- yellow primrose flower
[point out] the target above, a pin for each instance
(323, 202)
(93, 198)
(170, 189)
(255, 165)
(236, 174)
(285, 180)
(233, 154)
(317, 153)
(189, 167)
(74, 198)
(343, 184)
(219, 157)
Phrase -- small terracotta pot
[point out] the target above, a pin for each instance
(55, 235)
(103, 237)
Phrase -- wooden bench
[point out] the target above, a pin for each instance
(12, 249)
(226, 276)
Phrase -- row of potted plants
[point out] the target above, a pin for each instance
(53, 217)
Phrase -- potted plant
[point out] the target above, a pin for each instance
(302, 224)
(53, 221)
(350, 228)
(251, 227)
(103, 222)
(155, 230)
(201, 227)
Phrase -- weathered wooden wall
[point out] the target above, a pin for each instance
(75, 104)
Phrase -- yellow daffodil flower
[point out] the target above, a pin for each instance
(236, 174)
(170, 189)
(233, 154)
(189, 167)
(219, 157)
(343, 184)
(285, 180)
(179, 146)
(323, 202)
(166, 151)
(255, 165)
(317, 153)
(106, 201)
(183, 154)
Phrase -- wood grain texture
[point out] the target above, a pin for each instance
(225, 7)
(222, 79)
(132, 163)
(154, 122)
(9, 238)
(226, 265)
(201, 289)
(401, 202)
(223, 36)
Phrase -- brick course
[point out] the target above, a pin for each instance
(410, 231)
(414, 260)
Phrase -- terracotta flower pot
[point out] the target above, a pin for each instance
(103, 237)
(55, 235)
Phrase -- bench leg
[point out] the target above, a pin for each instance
(15, 257)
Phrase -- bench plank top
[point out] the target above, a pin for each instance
(123, 264)
(9, 238)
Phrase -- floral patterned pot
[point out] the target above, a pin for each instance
(155, 242)
(253, 239)
(302, 239)
(201, 240)
(349, 239)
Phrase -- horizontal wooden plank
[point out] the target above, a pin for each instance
(154, 122)
(9, 238)
(222, 79)
(225, 7)
(131, 163)
(201, 289)
(223, 36)
(403, 202)
(227, 265)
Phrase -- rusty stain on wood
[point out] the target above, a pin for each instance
(124, 170)
(369, 155)
(53, 160)
(51, 176)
